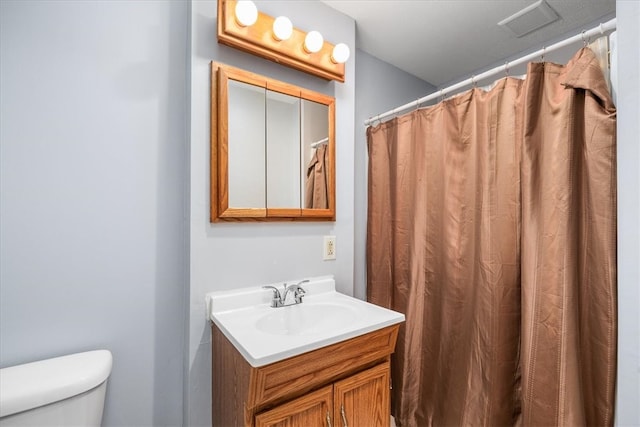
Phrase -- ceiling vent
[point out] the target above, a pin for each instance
(529, 19)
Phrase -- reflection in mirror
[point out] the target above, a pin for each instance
(315, 154)
(247, 154)
(283, 150)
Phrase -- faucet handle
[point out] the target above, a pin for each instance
(275, 290)
(299, 283)
(298, 294)
(298, 291)
(276, 301)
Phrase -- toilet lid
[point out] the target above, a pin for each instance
(28, 386)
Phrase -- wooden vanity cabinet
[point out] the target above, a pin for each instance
(346, 383)
(359, 400)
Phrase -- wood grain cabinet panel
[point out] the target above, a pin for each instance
(363, 399)
(352, 376)
(313, 410)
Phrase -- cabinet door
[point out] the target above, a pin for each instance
(312, 410)
(362, 400)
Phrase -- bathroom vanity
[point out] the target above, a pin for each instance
(323, 362)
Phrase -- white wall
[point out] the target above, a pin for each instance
(93, 184)
(231, 255)
(628, 390)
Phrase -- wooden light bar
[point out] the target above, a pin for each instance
(258, 39)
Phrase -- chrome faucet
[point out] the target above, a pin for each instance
(280, 300)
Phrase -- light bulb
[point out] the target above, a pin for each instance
(313, 42)
(246, 13)
(282, 28)
(340, 53)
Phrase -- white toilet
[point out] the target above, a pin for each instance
(64, 391)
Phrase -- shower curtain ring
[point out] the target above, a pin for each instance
(506, 69)
(584, 39)
(473, 81)
(542, 56)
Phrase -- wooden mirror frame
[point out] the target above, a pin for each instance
(219, 147)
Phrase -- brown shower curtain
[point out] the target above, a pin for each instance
(492, 226)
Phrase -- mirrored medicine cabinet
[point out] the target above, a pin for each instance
(272, 149)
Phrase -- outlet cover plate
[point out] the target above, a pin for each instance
(329, 248)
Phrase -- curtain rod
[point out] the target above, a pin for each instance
(584, 35)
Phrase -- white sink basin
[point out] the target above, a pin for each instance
(263, 334)
(307, 318)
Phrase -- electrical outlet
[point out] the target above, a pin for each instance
(329, 248)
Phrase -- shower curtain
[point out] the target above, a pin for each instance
(492, 226)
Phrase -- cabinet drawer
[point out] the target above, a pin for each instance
(297, 375)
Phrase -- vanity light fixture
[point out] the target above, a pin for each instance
(340, 53)
(313, 42)
(282, 28)
(243, 26)
(246, 13)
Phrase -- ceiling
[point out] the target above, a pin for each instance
(441, 41)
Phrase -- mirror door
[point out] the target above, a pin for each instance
(272, 149)
(246, 156)
(283, 154)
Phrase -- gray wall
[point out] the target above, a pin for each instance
(379, 88)
(628, 393)
(93, 193)
(232, 255)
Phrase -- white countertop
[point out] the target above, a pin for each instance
(264, 335)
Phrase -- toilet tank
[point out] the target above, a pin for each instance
(63, 391)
